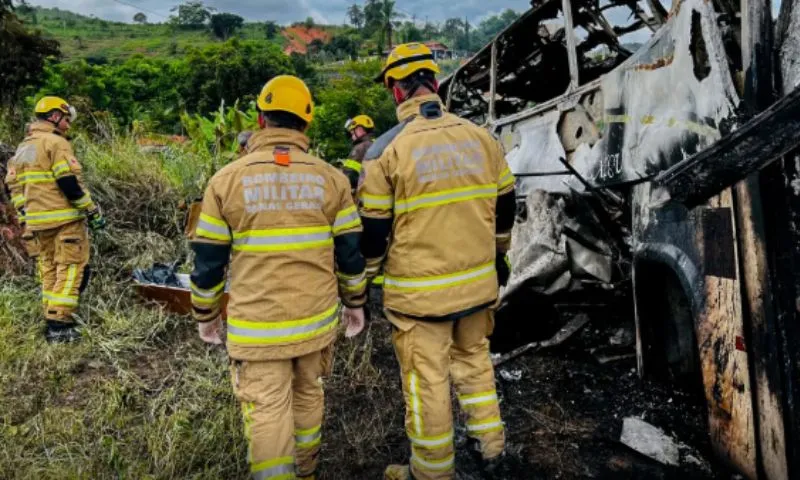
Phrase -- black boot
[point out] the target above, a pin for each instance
(58, 332)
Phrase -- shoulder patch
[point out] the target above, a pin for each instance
(25, 154)
(382, 142)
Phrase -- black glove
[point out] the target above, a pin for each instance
(503, 266)
(96, 219)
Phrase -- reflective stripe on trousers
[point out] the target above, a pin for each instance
(477, 399)
(440, 281)
(270, 333)
(276, 469)
(308, 438)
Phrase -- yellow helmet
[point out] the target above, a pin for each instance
(287, 93)
(406, 59)
(359, 121)
(48, 104)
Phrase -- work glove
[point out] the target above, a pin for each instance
(503, 266)
(96, 219)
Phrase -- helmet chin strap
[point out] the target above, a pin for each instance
(262, 123)
(400, 97)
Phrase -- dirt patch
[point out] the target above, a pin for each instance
(563, 416)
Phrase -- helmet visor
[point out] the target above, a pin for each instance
(73, 114)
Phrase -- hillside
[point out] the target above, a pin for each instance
(100, 41)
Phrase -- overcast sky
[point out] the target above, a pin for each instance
(283, 11)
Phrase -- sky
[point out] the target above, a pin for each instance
(285, 11)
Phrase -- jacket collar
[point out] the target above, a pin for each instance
(274, 137)
(41, 126)
(411, 107)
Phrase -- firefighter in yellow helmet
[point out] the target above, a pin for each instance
(441, 187)
(281, 225)
(359, 130)
(53, 205)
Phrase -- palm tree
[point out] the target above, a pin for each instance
(389, 18)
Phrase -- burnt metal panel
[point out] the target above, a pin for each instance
(718, 243)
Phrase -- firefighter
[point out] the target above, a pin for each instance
(282, 226)
(53, 206)
(359, 129)
(441, 186)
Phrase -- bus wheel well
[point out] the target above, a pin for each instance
(666, 322)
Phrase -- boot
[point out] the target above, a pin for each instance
(397, 472)
(57, 332)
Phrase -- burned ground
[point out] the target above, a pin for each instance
(563, 414)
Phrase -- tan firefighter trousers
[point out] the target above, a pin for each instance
(63, 257)
(430, 353)
(282, 406)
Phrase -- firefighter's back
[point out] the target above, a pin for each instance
(443, 172)
(39, 160)
(280, 205)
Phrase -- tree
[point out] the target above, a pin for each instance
(231, 70)
(373, 17)
(453, 29)
(315, 46)
(191, 15)
(223, 25)
(430, 31)
(491, 26)
(24, 55)
(309, 23)
(388, 17)
(271, 30)
(409, 32)
(140, 18)
(356, 16)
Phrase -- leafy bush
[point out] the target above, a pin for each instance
(350, 91)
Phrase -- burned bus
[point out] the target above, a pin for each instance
(668, 167)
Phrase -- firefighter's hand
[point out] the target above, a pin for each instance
(354, 320)
(96, 219)
(210, 331)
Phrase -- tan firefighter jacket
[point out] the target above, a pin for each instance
(438, 179)
(36, 177)
(284, 224)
